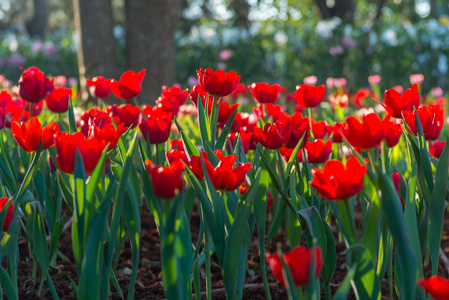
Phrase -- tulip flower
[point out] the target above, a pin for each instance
(393, 133)
(364, 135)
(176, 144)
(286, 153)
(318, 151)
(274, 136)
(269, 200)
(9, 214)
(34, 86)
(300, 127)
(309, 96)
(127, 114)
(176, 154)
(395, 103)
(274, 111)
(2, 118)
(167, 181)
(95, 116)
(5, 97)
(67, 145)
(99, 87)
(244, 187)
(129, 85)
(396, 177)
(319, 128)
(157, 127)
(436, 148)
(245, 138)
(264, 92)
(218, 83)
(224, 176)
(335, 132)
(436, 286)
(108, 133)
(299, 261)
(58, 100)
(432, 121)
(29, 135)
(337, 181)
(172, 98)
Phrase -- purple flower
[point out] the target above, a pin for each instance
(335, 50)
(16, 60)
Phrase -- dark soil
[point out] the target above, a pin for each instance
(149, 279)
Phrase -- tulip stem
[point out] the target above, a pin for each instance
(207, 260)
(310, 122)
(350, 216)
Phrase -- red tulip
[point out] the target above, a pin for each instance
(264, 92)
(269, 200)
(436, 148)
(167, 181)
(244, 187)
(129, 85)
(436, 286)
(127, 114)
(274, 136)
(239, 90)
(99, 87)
(176, 154)
(58, 100)
(2, 118)
(5, 97)
(396, 177)
(432, 121)
(176, 144)
(300, 127)
(157, 127)
(108, 133)
(172, 98)
(337, 181)
(29, 135)
(274, 111)
(395, 103)
(34, 86)
(392, 132)
(223, 177)
(364, 135)
(225, 111)
(318, 151)
(9, 214)
(197, 91)
(319, 128)
(309, 96)
(95, 116)
(286, 153)
(335, 132)
(299, 262)
(218, 83)
(66, 146)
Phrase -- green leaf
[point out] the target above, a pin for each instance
(294, 156)
(437, 207)
(314, 229)
(225, 132)
(72, 121)
(236, 245)
(7, 285)
(189, 146)
(330, 261)
(424, 154)
(203, 124)
(365, 281)
(55, 235)
(345, 286)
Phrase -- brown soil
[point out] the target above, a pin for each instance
(149, 279)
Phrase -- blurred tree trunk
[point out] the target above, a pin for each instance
(241, 9)
(343, 9)
(96, 50)
(37, 25)
(150, 43)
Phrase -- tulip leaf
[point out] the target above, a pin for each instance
(91, 270)
(411, 224)
(7, 284)
(330, 261)
(424, 154)
(288, 278)
(345, 286)
(365, 280)
(406, 260)
(203, 124)
(225, 132)
(71, 115)
(66, 191)
(313, 228)
(237, 244)
(55, 235)
(294, 156)
(92, 185)
(189, 146)
(218, 234)
(437, 207)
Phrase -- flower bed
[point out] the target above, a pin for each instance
(210, 196)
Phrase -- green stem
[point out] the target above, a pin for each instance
(390, 274)
(327, 292)
(349, 215)
(207, 260)
(310, 121)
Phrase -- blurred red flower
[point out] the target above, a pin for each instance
(309, 96)
(129, 85)
(318, 151)
(99, 87)
(395, 103)
(264, 92)
(364, 135)
(127, 114)
(299, 262)
(436, 286)
(9, 214)
(274, 136)
(432, 121)
(58, 100)
(436, 148)
(157, 126)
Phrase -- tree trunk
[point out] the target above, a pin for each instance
(37, 25)
(150, 43)
(96, 50)
(344, 9)
(241, 10)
